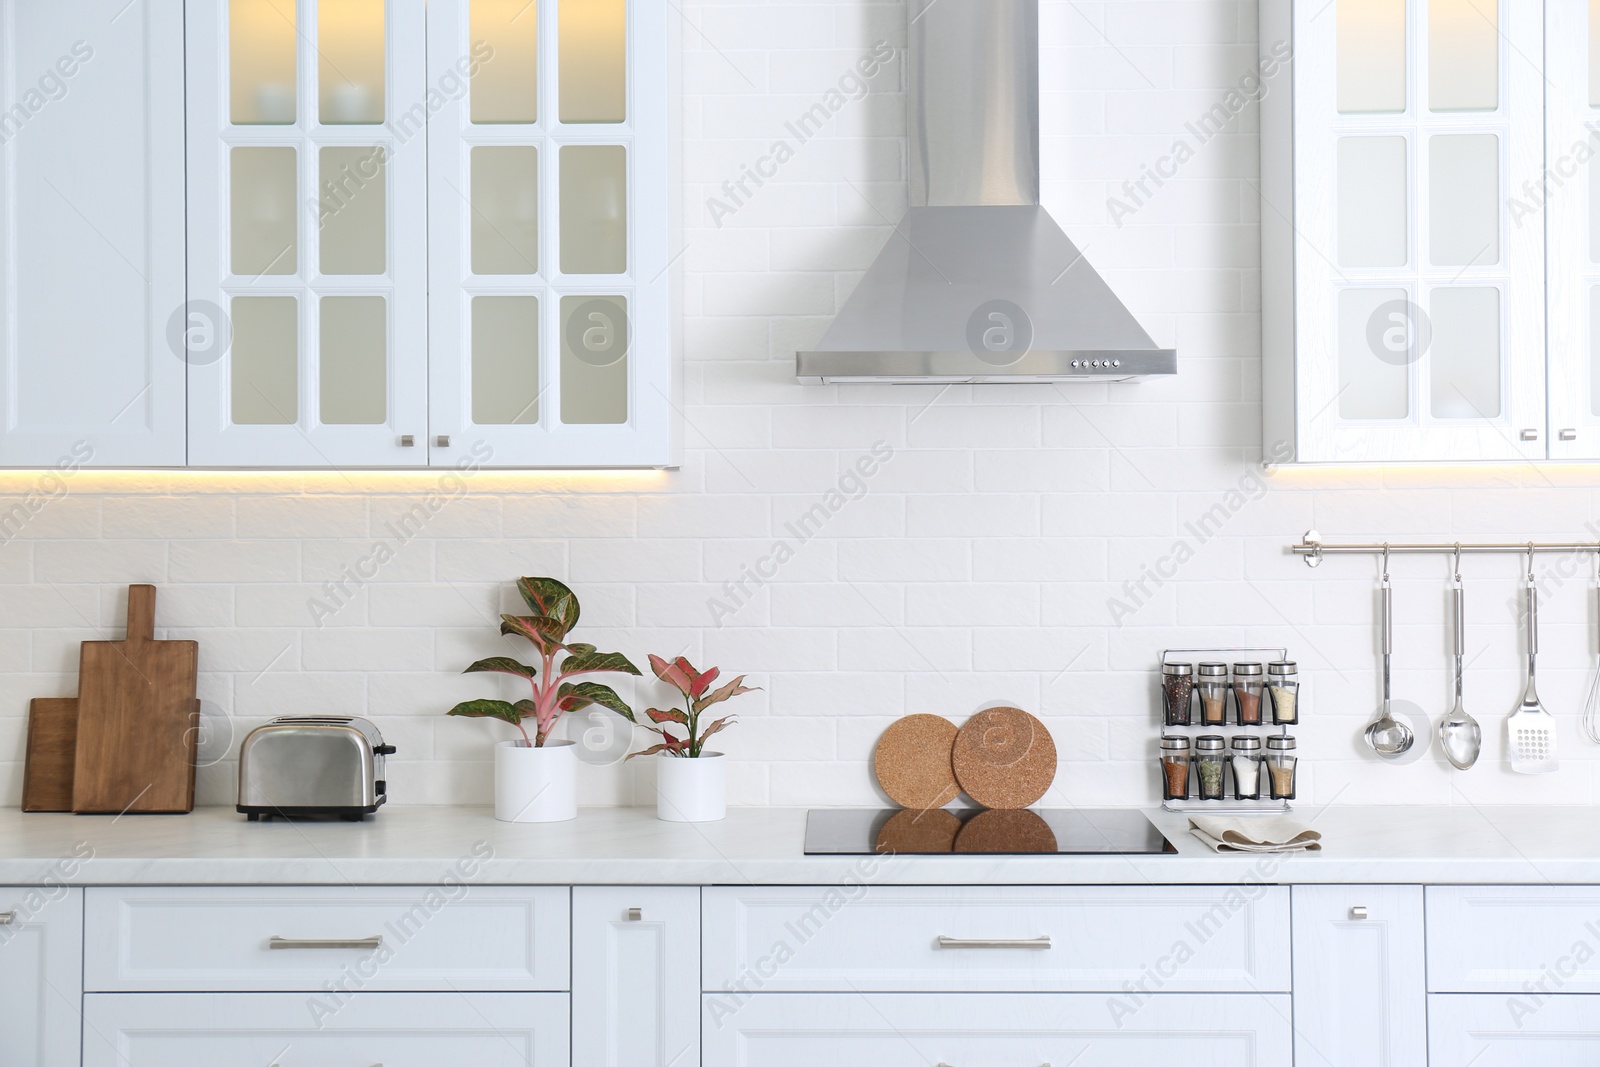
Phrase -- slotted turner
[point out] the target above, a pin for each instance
(1531, 730)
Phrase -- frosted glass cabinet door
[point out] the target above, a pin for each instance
(91, 212)
(548, 248)
(307, 190)
(41, 975)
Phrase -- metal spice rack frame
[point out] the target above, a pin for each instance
(1264, 806)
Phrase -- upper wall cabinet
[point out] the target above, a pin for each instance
(434, 233)
(1404, 297)
(91, 233)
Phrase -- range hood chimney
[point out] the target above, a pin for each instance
(978, 284)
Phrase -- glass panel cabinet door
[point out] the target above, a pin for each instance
(1568, 208)
(91, 237)
(1417, 308)
(307, 189)
(548, 234)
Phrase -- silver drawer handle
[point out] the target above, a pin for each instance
(988, 942)
(941, 1063)
(290, 942)
(7, 918)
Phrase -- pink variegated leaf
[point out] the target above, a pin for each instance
(670, 715)
(544, 633)
(726, 691)
(717, 727)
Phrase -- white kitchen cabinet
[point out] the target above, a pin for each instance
(1521, 937)
(1513, 1030)
(400, 938)
(91, 212)
(548, 213)
(635, 976)
(41, 954)
(1403, 305)
(1360, 983)
(973, 1030)
(997, 938)
(261, 1029)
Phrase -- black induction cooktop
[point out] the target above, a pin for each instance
(1054, 832)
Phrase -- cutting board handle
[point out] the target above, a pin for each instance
(141, 613)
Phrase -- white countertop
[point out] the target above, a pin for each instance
(417, 845)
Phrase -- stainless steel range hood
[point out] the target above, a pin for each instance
(977, 283)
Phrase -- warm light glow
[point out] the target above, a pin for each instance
(1594, 53)
(261, 58)
(350, 66)
(1371, 55)
(338, 483)
(1463, 55)
(1493, 474)
(505, 41)
(593, 61)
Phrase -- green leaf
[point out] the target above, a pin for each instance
(548, 597)
(502, 665)
(589, 661)
(576, 697)
(544, 633)
(490, 709)
(724, 692)
(670, 715)
(579, 648)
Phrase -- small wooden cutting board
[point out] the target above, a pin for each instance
(137, 729)
(52, 750)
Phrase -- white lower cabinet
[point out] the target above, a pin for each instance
(1360, 983)
(262, 1029)
(1513, 1030)
(635, 971)
(41, 982)
(984, 1029)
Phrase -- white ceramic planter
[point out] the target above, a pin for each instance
(692, 790)
(535, 784)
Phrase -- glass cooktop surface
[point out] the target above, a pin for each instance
(1056, 832)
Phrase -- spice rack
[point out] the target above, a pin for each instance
(1263, 729)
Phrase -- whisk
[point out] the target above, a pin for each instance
(1591, 707)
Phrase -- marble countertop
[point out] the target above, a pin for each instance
(417, 845)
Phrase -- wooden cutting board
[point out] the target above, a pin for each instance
(52, 751)
(137, 728)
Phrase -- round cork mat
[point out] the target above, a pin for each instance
(1004, 758)
(922, 832)
(912, 762)
(1006, 830)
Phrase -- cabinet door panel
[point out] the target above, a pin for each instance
(918, 1030)
(635, 981)
(91, 204)
(392, 1029)
(1513, 1030)
(1359, 983)
(1521, 937)
(41, 950)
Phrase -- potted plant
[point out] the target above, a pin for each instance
(691, 783)
(535, 778)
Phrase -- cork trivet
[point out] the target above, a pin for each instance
(918, 832)
(1004, 758)
(1006, 830)
(912, 762)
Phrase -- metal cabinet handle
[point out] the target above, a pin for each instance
(7, 918)
(291, 942)
(941, 1063)
(443, 440)
(1358, 912)
(635, 915)
(408, 440)
(993, 942)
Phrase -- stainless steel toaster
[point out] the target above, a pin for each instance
(312, 765)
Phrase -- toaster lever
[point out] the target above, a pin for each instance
(383, 750)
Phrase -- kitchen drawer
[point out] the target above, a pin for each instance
(1507, 939)
(392, 1029)
(401, 938)
(980, 1029)
(1011, 938)
(1487, 1030)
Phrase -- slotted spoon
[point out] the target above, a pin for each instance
(1531, 730)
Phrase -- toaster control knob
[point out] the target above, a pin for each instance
(383, 750)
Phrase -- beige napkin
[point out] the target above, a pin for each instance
(1271, 833)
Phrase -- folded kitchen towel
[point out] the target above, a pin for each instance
(1275, 833)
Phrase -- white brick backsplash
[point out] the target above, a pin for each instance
(1006, 552)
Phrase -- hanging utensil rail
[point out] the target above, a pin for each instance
(1313, 549)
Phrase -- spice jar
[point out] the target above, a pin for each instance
(1246, 764)
(1177, 692)
(1280, 767)
(1210, 755)
(1174, 767)
(1213, 687)
(1283, 683)
(1247, 692)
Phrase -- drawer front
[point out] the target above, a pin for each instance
(394, 1029)
(404, 938)
(1495, 1030)
(1014, 938)
(976, 1030)
(1508, 939)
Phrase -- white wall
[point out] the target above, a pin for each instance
(977, 564)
